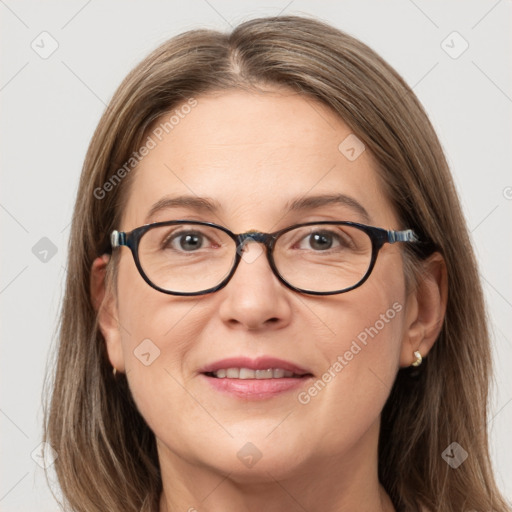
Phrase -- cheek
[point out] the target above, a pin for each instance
(362, 354)
(158, 334)
(147, 314)
(155, 333)
(163, 332)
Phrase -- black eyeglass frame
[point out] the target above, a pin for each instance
(378, 237)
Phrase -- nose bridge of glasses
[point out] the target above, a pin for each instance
(252, 236)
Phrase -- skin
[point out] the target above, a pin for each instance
(252, 152)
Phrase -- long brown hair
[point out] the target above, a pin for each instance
(107, 458)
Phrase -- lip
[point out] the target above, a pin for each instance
(255, 389)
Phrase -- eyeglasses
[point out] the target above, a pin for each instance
(184, 257)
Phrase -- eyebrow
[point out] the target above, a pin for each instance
(207, 205)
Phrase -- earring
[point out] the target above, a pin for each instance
(418, 359)
(114, 371)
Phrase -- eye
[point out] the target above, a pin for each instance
(188, 241)
(323, 240)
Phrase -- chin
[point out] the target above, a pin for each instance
(268, 468)
(258, 461)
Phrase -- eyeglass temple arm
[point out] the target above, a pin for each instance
(407, 235)
(117, 238)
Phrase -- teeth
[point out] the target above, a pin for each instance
(247, 373)
(264, 374)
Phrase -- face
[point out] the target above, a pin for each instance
(253, 154)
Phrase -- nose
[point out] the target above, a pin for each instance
(254, 298)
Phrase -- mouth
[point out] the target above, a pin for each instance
(249, 373)
(255, 379)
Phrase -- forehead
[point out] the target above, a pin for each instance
(253, 154)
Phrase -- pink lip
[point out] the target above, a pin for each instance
(261, 363)
(255, 389)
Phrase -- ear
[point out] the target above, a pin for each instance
(105, 305)
(425, 310)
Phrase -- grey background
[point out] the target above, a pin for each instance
(51, 106)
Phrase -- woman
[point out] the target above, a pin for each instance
(272, 302)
